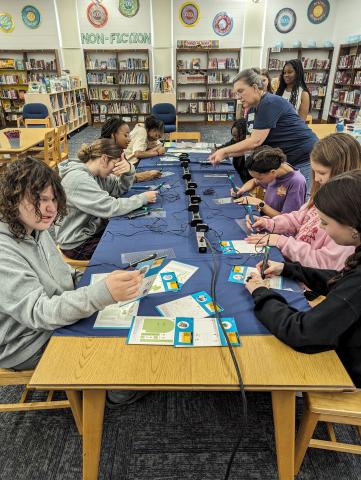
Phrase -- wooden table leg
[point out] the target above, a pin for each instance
(284, 411)
(75, 400)
(93, 415)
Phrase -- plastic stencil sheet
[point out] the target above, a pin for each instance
(134, 256)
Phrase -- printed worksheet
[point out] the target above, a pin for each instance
(152, 331)
(182, 271)
(239, 246)
(117, 316)
(204, 332)
(198, 304)
(239, 274)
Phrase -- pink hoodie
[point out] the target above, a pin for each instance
(303, 240)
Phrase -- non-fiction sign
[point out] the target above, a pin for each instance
(285, 20)
(116, 38)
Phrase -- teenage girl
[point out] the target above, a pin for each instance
(298, 234)
(334, 324)
(292, 87)
(145, 140)
(285, 185)
(93, 187)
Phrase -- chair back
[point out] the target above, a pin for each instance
(51, 149)
(309, 119)
(167, 113)
(62, 140)
(36, 115)
(174, 136)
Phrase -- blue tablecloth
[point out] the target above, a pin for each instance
(173, 231)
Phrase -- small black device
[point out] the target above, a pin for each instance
(191, 185)
(201, 228)
(185, 162)
(195, 199)
(193, 207)
(190, 191)
(196, 219)
(138, 214)
(186, 174)
(145, 259)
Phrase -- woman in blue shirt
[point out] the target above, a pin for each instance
(275, 123)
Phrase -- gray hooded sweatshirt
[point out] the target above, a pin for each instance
(37, 295)
(90, 200)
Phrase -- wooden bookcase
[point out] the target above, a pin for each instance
(204, 84)
(17, 69)
(346, 92)
(66, 107)
(118, 84)
(316, 64)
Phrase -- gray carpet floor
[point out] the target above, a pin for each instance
(164, 436)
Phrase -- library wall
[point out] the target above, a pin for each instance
(23, 37)
(119, 31)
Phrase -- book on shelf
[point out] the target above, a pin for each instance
(182, 64)
(210, 117)
(224, 117)
(343, 77)
(103, 65)
(346, 61)
(315, 64)
(7, 63)
(221, 63)
(196, 63)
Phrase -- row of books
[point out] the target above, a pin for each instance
(316, 77)
(19, 79)
(207, 107)
(12, 94)
(218, 77)
(118, 108)
(103, 94)
(317, 90)
(343, 77)
(135, 95)
(315, 63)
(163, 84)
(129, 119)
(347, 96)
(192, 77)
(341, 111)
(220, 93)
(30, 64)
(134, 64)
(12, 105)
(134, 78)
(101, 78)
(316, 104)
(192, 95)
(349, 61)
(109, 64)
(276, 64)
(357, 80)
(224, 117)
(223, 63)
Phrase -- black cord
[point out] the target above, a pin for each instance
(234, 359)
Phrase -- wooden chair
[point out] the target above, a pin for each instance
(309, 119)
(50, 153)
(344, 408)
(62, 140)
(174, 136)
(8, 377)
(79, 264)
(37, 122)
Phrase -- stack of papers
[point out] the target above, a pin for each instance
(182, 331)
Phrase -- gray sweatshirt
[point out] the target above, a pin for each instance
(37, 295)
(90, 200)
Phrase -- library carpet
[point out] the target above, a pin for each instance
(164, 436)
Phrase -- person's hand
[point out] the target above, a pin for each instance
(160, 150)
(273, 269)
(217, 156)
(263, 239)
(151, 196)
(123, 285)
(259, 223)
(121, 167)
(238, 193)
(248, 201)
(254, 281)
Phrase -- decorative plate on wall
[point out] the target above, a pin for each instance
(31, 16)
(222, 24)
(189, 14)
(128, 8)
(7, 24)
(285, 20)
(97, 14)
(318, 11)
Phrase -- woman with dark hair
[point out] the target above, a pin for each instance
(292, 87)
(37, 293)
(145, 140)
(117, 129)
(334, 324)
(275, 123)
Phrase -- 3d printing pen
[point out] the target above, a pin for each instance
(231, 181)
(265, 260)
(251, 217)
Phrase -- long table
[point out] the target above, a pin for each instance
(29, 137)
(96, 362)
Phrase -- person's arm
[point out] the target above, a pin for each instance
(255, 140)
(318, 329)
(304, 106)
(266, 209)
(148, 154)
(246, 187)
(121, 180)
(316, 279)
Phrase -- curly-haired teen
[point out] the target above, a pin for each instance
(292, 87)
(298, 234)
(285, 185)
(334, 324)
(93, 188)
(37, 289)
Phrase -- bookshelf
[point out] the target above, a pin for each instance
(316, 64)
(346, 93)
(204, 84)
(66, 107)
(118, 84)
(17, 69)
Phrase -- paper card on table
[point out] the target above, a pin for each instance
(151, 331)
(169, 159)
(237, 246)
(223, 201)
(204, 332)
(198, 304)
(239, 274)
(183, 272)
(116, 316)
(167, 174)
(169, 281)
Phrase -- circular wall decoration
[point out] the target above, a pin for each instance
(285, 20)
(318, 11)
(31, 16)
(128, 8)
(97, 15)
(189, 14)
(7, 24)
(222, 24)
